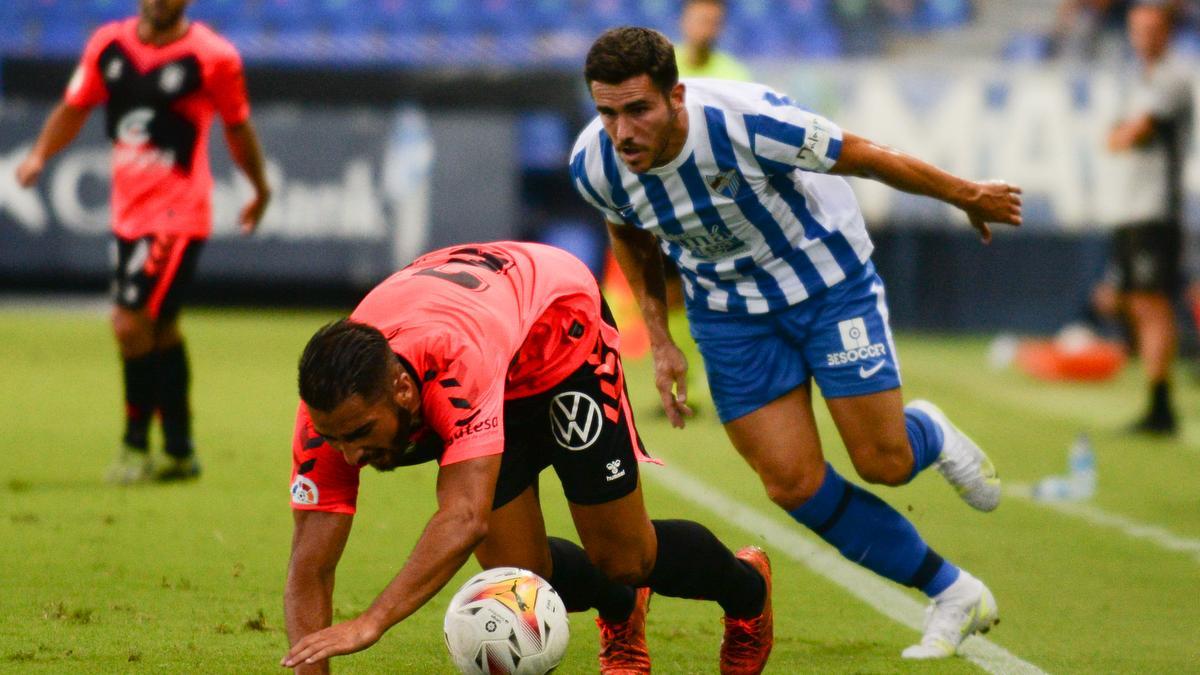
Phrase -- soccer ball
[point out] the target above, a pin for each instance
(506, 620)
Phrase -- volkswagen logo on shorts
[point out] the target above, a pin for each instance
(575, 420)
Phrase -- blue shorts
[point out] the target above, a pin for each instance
(840, 337)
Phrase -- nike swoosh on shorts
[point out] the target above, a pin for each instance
(865, 372)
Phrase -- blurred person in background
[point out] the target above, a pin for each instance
(160, 77)
(743, 189)
(1085, 30)
(700, 24)
(1144, 277)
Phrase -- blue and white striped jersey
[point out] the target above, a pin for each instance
(745, 210)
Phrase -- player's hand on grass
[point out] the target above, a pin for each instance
(670, 376)
(252, 213)
(30, 170)
(994, 201)
(343, 638)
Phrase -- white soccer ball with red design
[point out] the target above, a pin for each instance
(506, 620)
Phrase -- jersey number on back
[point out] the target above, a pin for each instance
(472, 257)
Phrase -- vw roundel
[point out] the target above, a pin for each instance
(575, 420)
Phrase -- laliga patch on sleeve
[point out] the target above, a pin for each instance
(816, 142)
(304, 491)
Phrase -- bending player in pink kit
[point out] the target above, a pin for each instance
(160, 78)
(497, 360)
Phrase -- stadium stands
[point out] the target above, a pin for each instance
(480, 32)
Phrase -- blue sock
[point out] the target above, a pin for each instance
(865, 530)
(924, 437)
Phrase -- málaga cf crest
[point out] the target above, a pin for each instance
(725, 183)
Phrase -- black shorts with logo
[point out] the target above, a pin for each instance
(154, 272)
(1146, 257)
(583, 427)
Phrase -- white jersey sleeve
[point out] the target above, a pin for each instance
(785, 136)
(1169, 94)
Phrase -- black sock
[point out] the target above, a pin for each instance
(693, 563)
(173, 380)
(1160, 400)
(140, 398)
(581, 585)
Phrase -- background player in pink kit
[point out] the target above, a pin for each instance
(497, 360)
(160, 77)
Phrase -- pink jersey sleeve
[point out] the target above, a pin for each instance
(86, 88)
(321, 478)
(464, 403)
(227, 87)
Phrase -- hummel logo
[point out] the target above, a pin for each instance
(616, 471)
(865, 372)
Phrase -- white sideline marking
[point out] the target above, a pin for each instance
(1155, 534)
(881, 595)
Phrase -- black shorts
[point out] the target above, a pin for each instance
(583, 427)
(154, 272)
(1146, 257)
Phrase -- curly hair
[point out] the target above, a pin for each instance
(629, 51)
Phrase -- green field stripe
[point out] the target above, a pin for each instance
(1094, 515)
(867, 587)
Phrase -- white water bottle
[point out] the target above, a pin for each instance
(1079, 483)
(1081, 467)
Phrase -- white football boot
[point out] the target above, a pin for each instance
(966, 607)
(962, 463)
(130, 467)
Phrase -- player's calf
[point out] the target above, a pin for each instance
(883, 465)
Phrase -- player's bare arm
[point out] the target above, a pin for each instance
(318, 539)
(247, 154)
(984, 201)
(61, 128)
(464, 492)
(1131, 133)
(640, 260)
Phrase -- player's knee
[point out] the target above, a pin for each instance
(130, 332)
(884, 465)
(630, 567)
(790, 491)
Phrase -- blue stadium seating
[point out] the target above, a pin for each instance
(516, 32)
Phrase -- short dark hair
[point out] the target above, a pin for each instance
(625, 52)
(342, 359)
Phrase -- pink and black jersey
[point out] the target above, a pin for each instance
(159, 102)
(476, 325)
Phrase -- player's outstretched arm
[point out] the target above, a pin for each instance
(61, 128)
(640, 259)
(984, 201)
(1131, 133)
(318, 539)
(247, 154)
(465, 490)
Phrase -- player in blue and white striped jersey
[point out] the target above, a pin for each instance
(743, 189)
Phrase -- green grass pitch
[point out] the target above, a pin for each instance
(188, 578)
